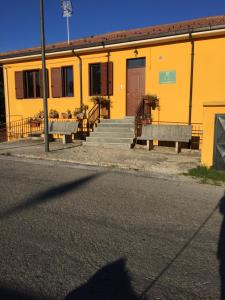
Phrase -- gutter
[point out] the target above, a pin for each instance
(24, 57)
(121, 43)
(6, 93)
(81, 77)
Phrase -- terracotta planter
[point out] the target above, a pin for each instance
(146, 121)
(35, 123)
(104, 113)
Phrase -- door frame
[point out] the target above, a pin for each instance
(136, 58)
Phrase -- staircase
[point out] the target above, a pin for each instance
(117, 133)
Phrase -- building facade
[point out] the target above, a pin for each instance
(182, 63)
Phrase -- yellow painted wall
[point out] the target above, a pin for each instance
(208, 74)
(23, 108)
(209, 112)
(174, 98)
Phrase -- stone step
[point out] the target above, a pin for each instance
(118, 134)
(113, 133)
(113, 129)
(129, 118)
(108, 145)
(110, 140)
(116, 124)
(118, 121)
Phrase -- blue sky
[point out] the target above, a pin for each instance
(19, 21)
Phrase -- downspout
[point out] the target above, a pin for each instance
(191, 78)
(108, 54)
(108, 59)
(6, 90)
(81, 80)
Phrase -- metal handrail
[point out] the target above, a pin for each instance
(94, 116)
(139, 117)
(20, 129)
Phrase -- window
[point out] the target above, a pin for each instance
(101, 79)
(67, 81)
(28, 84)
(62, 82)
(95, 79)
(136, 63)
(32, 84)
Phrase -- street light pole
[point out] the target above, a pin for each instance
(45, 102)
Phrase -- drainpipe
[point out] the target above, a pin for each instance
(108, 55)
(191, 77)
(81, 81)
(6, 92)
(108, 59)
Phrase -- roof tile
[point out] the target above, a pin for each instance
(117, 36)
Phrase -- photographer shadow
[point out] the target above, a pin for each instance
(112, 282)
(221, 249)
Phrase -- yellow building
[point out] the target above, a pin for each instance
(182, 63)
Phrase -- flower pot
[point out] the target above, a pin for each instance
(146, 121)
(35, 124)
(104, 113)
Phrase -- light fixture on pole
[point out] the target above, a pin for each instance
(45, 103)
(67, 12)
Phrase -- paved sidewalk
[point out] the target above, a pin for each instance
(162, 161)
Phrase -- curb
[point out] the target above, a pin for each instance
(118, 168)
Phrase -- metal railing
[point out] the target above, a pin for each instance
(3, 135)
(143, 113)
(143, 116)
(197, 132)
(93, 116)
(20, 129)
(25, 127)
(29, 126)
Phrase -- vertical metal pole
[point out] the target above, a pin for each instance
(99, 110)
(68, 30)
(45, 103)
(191, 78)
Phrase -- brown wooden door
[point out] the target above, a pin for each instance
(135, 84)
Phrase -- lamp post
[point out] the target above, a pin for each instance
(44, 84)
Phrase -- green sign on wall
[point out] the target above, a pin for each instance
(167, 77)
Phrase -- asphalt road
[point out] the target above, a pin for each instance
(82, 233)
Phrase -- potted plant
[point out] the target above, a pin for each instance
(81, 112)
(53, 114)
(151, 100)
(66, 115)
(36, 120)
(146, 119)
(104, 105)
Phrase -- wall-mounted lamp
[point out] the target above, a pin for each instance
(135, 52)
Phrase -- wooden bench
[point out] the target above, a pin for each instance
(175, 133)
(66, 129)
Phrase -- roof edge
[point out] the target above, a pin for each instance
(116, 41)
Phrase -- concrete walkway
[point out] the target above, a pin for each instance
(161, 161)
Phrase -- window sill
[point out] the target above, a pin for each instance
(64, 97)
(29, 99)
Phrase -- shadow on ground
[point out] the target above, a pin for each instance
(112, 282)
(52, 149)
(221, 249)
(20, 146)
(7, 293)
(66, 147)
(50, 194)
